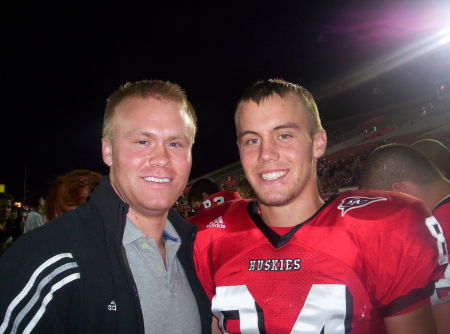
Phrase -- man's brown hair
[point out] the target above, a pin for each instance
(263, 89)
(394, 163)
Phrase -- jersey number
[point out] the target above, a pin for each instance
(327, 309)
(442, 287)
(217, 200)
(436, 231)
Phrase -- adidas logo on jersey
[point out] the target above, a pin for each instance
(218, 223)
(354, 202)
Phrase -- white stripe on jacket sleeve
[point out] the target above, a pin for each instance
(47, 300)
(28, 287)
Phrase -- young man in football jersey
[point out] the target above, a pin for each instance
(402, 169)
(364, 262)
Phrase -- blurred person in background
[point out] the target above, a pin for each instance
(66, 193)
(6, 202)
(35, 217)
(14, 223)
(69, 191)
(244, 189)
(400, 168)
(205, 193)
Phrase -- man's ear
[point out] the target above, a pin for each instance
(398, 187)
(319, 143)
(107, 152)
(205, 195)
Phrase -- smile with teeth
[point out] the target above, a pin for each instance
(273, 175)
(156, 179)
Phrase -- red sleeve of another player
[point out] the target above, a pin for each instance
(406, 256)
(202, 264)
(199, 220)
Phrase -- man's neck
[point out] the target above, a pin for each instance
(152, 226)
(292, 213)
(442, 191)
(432, 193)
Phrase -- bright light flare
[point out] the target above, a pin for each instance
(389, 62)
(444, 35)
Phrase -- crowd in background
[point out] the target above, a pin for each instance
(67, 192)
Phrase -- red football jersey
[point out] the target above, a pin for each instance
(363, 256)
(219, 198)
(211, 202)
(442, 213)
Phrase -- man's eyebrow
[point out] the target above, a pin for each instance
(181, 137)
(139, 133)
(289, 125)
(246, 132)
(148, 134)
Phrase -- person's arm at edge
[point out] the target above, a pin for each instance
(418, 321)
(215, 329)
(441, 314)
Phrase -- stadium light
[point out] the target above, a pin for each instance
(386, 63)
(444, 36)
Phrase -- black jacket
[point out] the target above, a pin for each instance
(71, 275)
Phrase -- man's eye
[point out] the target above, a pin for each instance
(175, 144)
(252, 141)
(142, 142)
(285, 136)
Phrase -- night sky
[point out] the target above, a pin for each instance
(60, 63)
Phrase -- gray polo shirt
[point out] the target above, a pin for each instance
(167, 302)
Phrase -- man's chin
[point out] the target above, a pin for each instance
(153, 211)
(275, 199)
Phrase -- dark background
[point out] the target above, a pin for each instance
(59, 63)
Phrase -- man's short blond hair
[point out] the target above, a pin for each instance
(157, 89)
